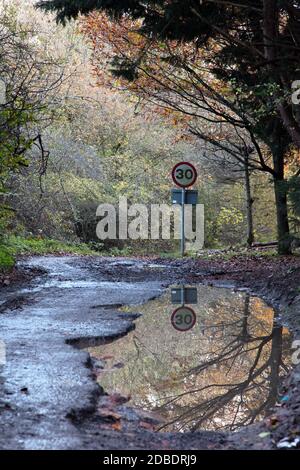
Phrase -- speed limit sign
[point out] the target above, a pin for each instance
(183, 318)
(184, 174)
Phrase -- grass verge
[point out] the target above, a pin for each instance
(13, 246)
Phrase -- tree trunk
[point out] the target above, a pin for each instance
(249, 204)
(283, 230)
(245, 336)
(275, 363)
(278, 141)
(280, 189)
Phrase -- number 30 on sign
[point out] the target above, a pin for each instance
(183, 318)
(184, 174)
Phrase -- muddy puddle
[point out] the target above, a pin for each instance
(199, 358)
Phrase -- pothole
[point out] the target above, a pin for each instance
(200, 358)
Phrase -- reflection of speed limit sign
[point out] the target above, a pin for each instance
(184, 174)
(183, 318)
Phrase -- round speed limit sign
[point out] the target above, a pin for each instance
(184, 174)
(183, 318)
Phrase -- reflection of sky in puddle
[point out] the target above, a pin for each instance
(221, 374)
(78, 284)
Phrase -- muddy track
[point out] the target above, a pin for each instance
(49, 398)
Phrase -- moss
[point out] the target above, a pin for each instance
(6, 259)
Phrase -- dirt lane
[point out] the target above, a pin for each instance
(45, 378)
(48, 393)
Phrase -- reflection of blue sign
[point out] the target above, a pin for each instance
(183, 318)
(184, 295)
(190, 196)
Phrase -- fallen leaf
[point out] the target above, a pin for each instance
(264, 434)
(273, 421)
(117, 399)
(109, 415)
(117, 426)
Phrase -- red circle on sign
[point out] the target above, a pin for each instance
(193, 170)
(191, 312)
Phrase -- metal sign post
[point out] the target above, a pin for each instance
(182, 222)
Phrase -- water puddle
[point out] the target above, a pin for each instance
(200, 358)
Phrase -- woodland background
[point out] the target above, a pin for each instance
(98, 107)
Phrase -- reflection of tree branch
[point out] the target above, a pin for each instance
(221, 401)
(194, 416)
(135, 342)
(147, 349)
